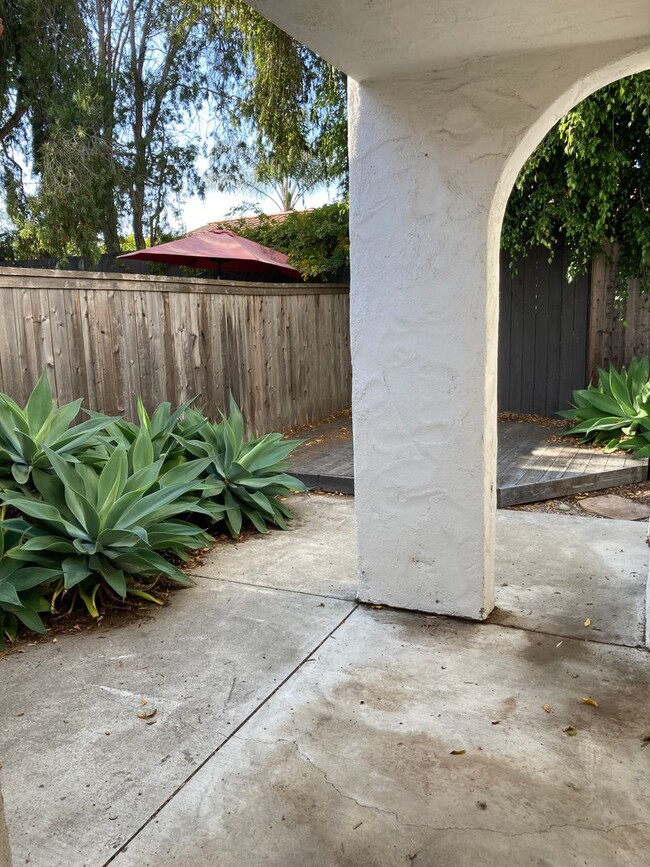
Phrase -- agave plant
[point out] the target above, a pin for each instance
(20, 601)
(616, 411)
(248, 477)
(100, 529)
(27, 434)
(158, 429)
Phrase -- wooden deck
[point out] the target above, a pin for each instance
(533, 463)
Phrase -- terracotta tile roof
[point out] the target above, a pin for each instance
(249, 222)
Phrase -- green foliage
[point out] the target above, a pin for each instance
(317, 241)
(589, 180)
(287, 124)
(158, 429)
(100, 526)
(102, 509)
(27, 435)
(20, 600)
(248, 477)
(616, 411)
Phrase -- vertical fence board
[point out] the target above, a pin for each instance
(615, 336)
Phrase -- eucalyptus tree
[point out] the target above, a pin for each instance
(285, 127)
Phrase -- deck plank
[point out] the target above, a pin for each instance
(533, 463)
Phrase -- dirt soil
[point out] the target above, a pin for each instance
(639, 492)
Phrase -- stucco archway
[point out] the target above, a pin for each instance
(446, 102)
(434, 157)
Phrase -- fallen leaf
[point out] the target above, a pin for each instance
(645, 737)
(143, 701)
(22, 713)
(152, 722)
(495, 722)
(558, 644)
(548, 708)
(144, 714)
(587, 621)
(588, 700)
(457, 752)
(569, 730)
(376, 606)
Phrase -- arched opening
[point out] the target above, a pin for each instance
(555, 573)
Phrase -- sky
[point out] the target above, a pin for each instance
(216, 205)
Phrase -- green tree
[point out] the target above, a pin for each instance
(43, 49)
(316, 241)
(590, 180)
(286, 127)
(116, 142)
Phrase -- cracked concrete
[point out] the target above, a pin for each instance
(298, 729)
(350, 764)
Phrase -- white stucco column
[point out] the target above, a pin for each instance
(433, 158)
(424, 348)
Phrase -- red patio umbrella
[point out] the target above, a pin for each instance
(221, 250)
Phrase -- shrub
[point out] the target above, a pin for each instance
(616, 411)
(248, 477)
(105, 505)
(26, 434)
(316, 241)
(98, 528)
(20, 600)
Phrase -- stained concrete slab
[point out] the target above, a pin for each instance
(81, 772)
(351, 763)
(325, 563)
(553, 572)
(343, 757)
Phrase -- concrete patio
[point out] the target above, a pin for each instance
(294, 727)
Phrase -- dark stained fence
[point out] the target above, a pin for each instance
(543, 334)
(282, 349)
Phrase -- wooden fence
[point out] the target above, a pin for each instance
(543, 324)
(282, 349)
(614, 338)
(553, 335)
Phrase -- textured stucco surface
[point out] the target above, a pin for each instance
(433, 159)
(372, 39)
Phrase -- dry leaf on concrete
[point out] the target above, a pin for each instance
(143, 714)
(548, 708)
(570, 730)
(587, 699)
(457, 752)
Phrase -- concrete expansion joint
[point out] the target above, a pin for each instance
(234, 735)
(447, 828)
(258, 586)
(585, 640)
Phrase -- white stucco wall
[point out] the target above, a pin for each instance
(433, 160)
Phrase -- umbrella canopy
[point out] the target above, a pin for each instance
(221, 250)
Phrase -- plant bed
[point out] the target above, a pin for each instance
(93, 514)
